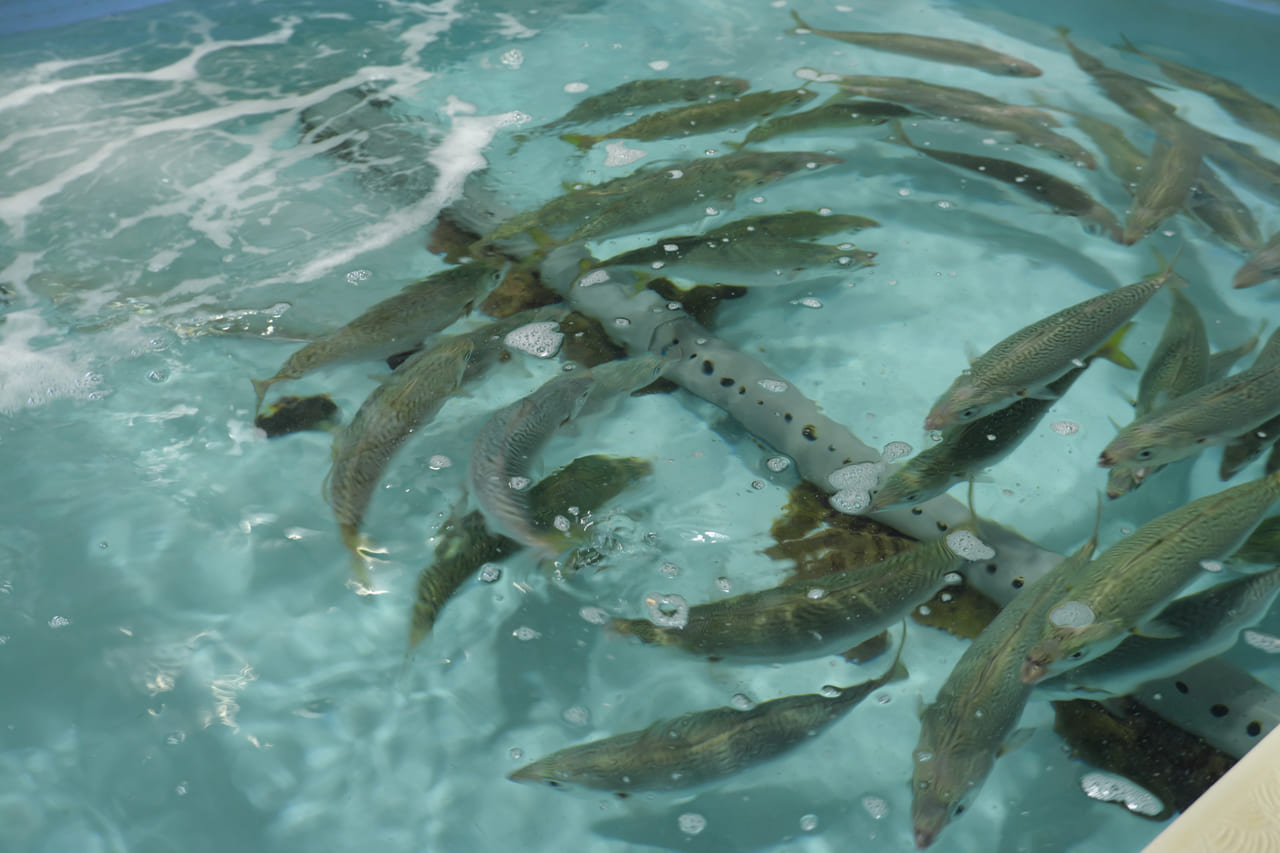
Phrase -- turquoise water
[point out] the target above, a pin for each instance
(183, 666)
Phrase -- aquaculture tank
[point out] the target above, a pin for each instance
(609, 426)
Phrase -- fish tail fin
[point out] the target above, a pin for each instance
(898, 669)
(899, 136)
(801, 26)
(1063, 31)
(583, 141)
(1110, 349)
(260, 387)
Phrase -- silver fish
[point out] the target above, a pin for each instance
(647, 93)
(700, 746)
(1026, 362)
(393, 325)
(756, 260)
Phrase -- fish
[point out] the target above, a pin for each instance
(466, 543)
(1125, 160)
(969, 448)
(393, 325)
(1215, 204)
(648, 93)
(798, 224)
(1029, 125)
(406, 401)
(1132, 580)
(1263, 544)
(1238, 102)
(1026, 362)
(1132, 94)
(295, 414)
(700, 746)
(1243, 162)
(836, 114)
(810, 618)
(949, 51)
(505, 446)
(1244, 449)
(1165, 186)
(1262, 265)
(1060, 195)
(411, 397)
(978, 706)
(699, 118)
(1178, 364)
(1200, 626)
(759, 258)
(1212, 414)
(1221, 362)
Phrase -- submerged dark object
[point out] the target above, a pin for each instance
(295, 414)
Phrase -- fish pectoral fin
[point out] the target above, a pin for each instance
(1015, 740)
(1157, 630)
(1110, 349)
(1041, 393)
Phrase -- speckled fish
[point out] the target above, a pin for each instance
(753, 260)
(1262, 265)
(715, 178)
(1243, 162)
(1132, 94)
(1221, 210)
(409, 398)
(1212, 414)
(699, 118)
(1165, 186)
(1242, 105)
(1125, 160)
(810, 618)
(700, 746)
(932, 48)
(1221, 362)
(837, 114)
(1026, 362)
(968, 449)
(1126, 586)
(393, 325)
(1263, 545)
(505, 447)
(648, 93)
(796, 225)
(1062, 196)
(466, 543)
(1178, 364)
(1242, 450)
(978, 706)
(1198, 627)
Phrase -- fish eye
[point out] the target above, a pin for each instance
(1144, 454)
(959, 810)
(912, 498)
(968, 414)
(553, 783)
(1078, 655)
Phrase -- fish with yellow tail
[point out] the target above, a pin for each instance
(1132, 580)
(978, 707)
(949, 51)
(1028, 361)
(393, 325)
(1212, 414)
(808, 618)
(967, 449)
(700, 746)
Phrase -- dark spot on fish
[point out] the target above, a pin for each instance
(742, 389)
(1254, 728)
(1219, 710)
(708, 366)
(1182, 687)
(942, 525)
(1018, 583)
(810, 432)
(394, 361)
(693, 356)
(831, 448)
(915, 510)
(759, 402)
(622, 795)
(991, 568)
(726, 382)
(788, 417)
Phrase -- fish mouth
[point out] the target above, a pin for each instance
(1106, 460)
(1034, 669)
(924, 838)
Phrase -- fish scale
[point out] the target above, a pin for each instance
(1135, 577)
(787, 621)
(1024, 363)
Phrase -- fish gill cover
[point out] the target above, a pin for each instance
(193, 193)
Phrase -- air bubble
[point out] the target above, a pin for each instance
(830, 691)
(1064, 427)
(861, 475)
(816, 593)
(516, 753)
(158, 375)
(876, 807)
(561, 523)
(742, 702)
(524, 634)
(1109, 788)
(895, 450)
(1071, 614)
(59, 622)
(724, 584)
(669, 569)
(594, 615)
(1263, 642)
(577, 716)
(968, 546)
(490, 573)
(809, 823)
(757, 484)
(952, 578)
(538, 339)
(809, 302)
(592, 278)
(519, 484)
(777, 464)
(850, 501)
(621, 321)
(356, 276)
(438, 462)
(1211, 565)
(692, 823)
(667, 611)
(513, 59)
